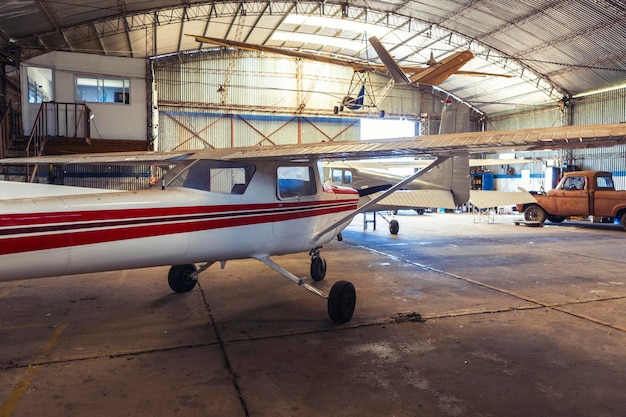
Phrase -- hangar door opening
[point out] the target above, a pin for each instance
(389, 129)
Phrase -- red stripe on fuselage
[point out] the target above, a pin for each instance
(94, 215)
(167, 221)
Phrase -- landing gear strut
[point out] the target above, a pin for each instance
(342, 297)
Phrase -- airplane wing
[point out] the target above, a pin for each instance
(413, 199)
(356, 65)
(424, 75)
(448, 144)
(113, 158)
(421, 163)
(432, 75)
(10, 190)
(440, 72)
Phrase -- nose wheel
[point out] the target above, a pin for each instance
(318, 268)
(182, 278)
(318, 264)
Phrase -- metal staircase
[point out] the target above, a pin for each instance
(53, 120)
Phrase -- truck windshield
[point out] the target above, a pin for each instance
(604, 183)
(573, 183)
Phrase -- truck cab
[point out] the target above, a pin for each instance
(579, 193)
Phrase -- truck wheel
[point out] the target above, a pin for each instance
(622, 221)
(535, 213)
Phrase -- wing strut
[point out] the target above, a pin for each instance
(436, 163)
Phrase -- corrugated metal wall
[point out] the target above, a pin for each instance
(223, 98)
(600, 108)
(605, 107)
(111, 177)
(548, 116)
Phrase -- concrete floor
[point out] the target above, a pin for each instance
(519, 321)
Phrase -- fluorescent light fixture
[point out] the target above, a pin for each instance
(602, 90)
(329, 22)
(320, 40)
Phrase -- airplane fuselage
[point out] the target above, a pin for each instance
(199, 221)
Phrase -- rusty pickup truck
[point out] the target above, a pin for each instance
(579, 193)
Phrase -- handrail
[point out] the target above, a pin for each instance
(37, 140)
(5, 130)
(54, 119)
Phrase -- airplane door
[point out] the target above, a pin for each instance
(296, 189)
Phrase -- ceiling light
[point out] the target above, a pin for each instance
(329, 22)
(319, 40)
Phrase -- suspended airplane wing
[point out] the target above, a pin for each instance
(434, 74)
(355, 64)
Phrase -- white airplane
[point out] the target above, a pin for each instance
(224, 204)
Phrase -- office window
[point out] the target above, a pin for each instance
(102, 90)
(40, 84)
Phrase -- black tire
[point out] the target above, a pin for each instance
(556, 219)
(318, 268)
(622, 221)
(394, 227)
(179, 278)
(341, 302)
(534, 213)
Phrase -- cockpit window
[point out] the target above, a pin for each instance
(335, 175)
(347, 177)
(225, 177)
(296, 181)
(341, 176)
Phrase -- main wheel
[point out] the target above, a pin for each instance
(535, 213)
(623, 221)
(341, 302)
(394, 227)
(180, 279)
(318, 268)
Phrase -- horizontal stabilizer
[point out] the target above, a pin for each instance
(486, 199)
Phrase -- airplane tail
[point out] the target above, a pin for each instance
(451, 175)
(447, 175)
(355, 103)
(443, 184)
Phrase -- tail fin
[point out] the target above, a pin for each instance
(451, 175)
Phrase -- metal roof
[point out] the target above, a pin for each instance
(553, 48)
